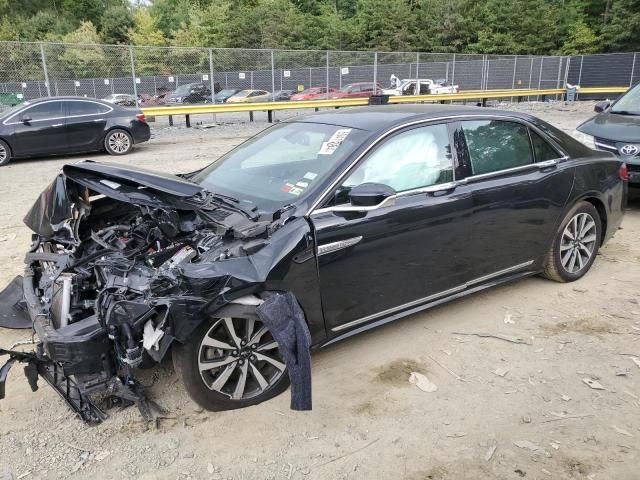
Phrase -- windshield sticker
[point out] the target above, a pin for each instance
(302, 184)
(334, 142)
(286, 188)
(296, 191)
(310, 175)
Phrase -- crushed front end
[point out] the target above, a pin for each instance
(123, 263)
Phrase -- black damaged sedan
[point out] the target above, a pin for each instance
(361, 216)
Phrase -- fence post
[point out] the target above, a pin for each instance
(44, 68)
(273, 78)
(416, 90)
(453, 70)
(133, 72)
(212, 81)
(375, 73)
(540, 76)
(633, 68)
(327, 75)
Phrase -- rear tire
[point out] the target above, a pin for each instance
(249, 367)
(575, 244)
(5, 153)
(118, 142)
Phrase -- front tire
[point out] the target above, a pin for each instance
(231, 361)
(575, 245)
(118, 142)
(5, 153)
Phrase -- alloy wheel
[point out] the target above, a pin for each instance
(119, 142)
(239, 358)
(578, 242)
(3, 153)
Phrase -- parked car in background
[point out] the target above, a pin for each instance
(282, 95)
(360, 217)
(357, 90)
(60, 125)
(191, 93)
(616, 129)
(122, 99)
(248, 96)
(223, 95)
(313, 93)
(428, 86)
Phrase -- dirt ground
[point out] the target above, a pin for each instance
(501, 410)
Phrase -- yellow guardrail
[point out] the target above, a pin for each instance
(269, 107)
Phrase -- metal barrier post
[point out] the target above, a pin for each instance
(133, 72)
(580, 76)
(44, 68)
(416, 90)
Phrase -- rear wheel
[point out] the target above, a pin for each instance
(5, 153)
(118, 142)
(231, 362)
(575, 245)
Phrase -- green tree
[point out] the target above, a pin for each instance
(116, 23)
(581, 40)
(83, 56)
(622, 32)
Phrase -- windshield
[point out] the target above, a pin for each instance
(110, 97)
(629, 102)
(243, 93)
(346, 88)
(227, 91)
(282, 164)
(12, 110)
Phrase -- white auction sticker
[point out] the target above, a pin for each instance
(286, 73)
(310, 175)
(106, 81)
(241, 76)
(205, 77)
(334, 142)
(345, 71)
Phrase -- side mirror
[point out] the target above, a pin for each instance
(26, 119)
(370, 194)
(601, 106)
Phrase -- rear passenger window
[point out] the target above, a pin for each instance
(496, 145)
(543, 150)
(86, 108)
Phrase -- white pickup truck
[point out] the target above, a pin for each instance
(407, 86)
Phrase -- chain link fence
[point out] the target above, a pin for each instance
(33, 70)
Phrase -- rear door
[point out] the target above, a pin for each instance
(379, 261)
(86, 123)
(40, 129)
(520, 184)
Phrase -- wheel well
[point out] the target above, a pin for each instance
(601, 211)
(8, 145)
(117, 128)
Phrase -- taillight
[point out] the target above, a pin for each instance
(140, 116)
(623, 173)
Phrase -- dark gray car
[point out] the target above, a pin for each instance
(616, 129)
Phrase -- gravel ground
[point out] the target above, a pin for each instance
(501, 410)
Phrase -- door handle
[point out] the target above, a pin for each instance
(440, 188)
(547, 164)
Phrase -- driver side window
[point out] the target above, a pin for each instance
(420, 157)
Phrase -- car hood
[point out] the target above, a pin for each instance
(611, 126)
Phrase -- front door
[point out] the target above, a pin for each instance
(40, 130)
(382, 260)
(520, 187)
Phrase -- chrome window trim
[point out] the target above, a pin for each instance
(6, 121)
(435, 296)
(383, 136)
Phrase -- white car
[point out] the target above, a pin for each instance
(427, 86)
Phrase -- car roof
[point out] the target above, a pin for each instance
(381, 117)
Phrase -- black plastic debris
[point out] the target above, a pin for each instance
(285, 320)
(13, 310)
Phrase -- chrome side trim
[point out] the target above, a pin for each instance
(333, 184)
(433, 297)
(388, 311)
(499, 273)
(335, 246)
